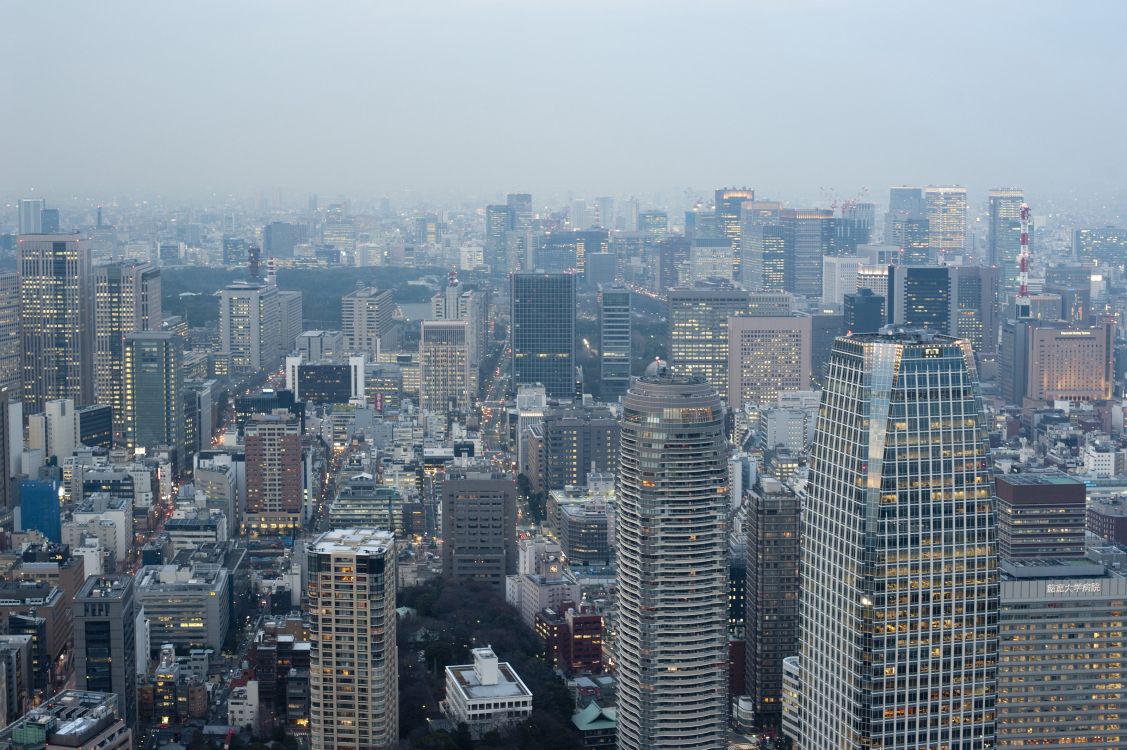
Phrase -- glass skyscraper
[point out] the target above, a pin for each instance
(543, 335)
(671, 537)
(899, 639)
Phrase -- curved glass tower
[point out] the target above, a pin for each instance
(899, 638)
(672, 629)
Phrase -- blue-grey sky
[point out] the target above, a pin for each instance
(795, 98)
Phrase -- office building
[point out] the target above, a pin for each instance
(771, 613)
(487, 695)
(446, 381)
(54, 432)
(729, 215)
(153, 394)
(543, 332)
(31, 215)
(839, 277)
(863, 312)
(326, 383)
(1040, 516)
(854, 226)
(920, 297)
(566, 444)
(893, 540)
(280, 238)
(71, 719)
(671, 646)
(974, 313)
(567, 251)
(95, 426)
(250, 327)
(105, 643)
(479, 527)
(614, 341)
(1105, 246)
(353, 666)
(698, 332)
(187, 603)
(1049, 361)
(913, 239)
(904, 203)
(946, 214)
(653, 224)
(808, 235)
(496, 227)
(56, 319)
(11, 366)
(1003, 233)
(320, 346)
(126, 300)
(768, 356)
(39, 508)
(274, 474)
(765, 266)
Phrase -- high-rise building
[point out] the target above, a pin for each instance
(250, 327)
(1046, 360)
(1040, 516)
(126, 300)
(31, 215)
(153, 393)
(1003, 233)
(274, 474)
(808, 234)
(56, 319)
(698, 332)
(543, 332)
(672, 547)
(729, 215)
(50, 220)
(767, 355)
(855, 226)
(863, 312)
(839, 277)
(105, 643)
(614, 341)
(520, 211)
(479, 521)
(496, 227)
(1106, 246)
(899, 593)
(566, 251)
(975, 309)
(766, 264)
(920, 297)
(365, 318)
(653, 224)
(946, 209)
(913, 237)
(445, 377)
(771, 594)
(11, 368)
(354, 670)
(279, 238)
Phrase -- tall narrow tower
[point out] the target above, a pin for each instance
(673, 569)
(899, 635)
(1024, 258)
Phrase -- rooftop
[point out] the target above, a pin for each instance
(364, 541)
(465, 677)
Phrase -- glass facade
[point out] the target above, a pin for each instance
(543, 332)
(899, 636)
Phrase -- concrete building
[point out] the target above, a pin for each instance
(768, 356)
(250, 327)
(366, 318)
(274, 474)
(446, 381)
(354, 673)
(1040, 516)
(672, 628)
(11, 353)
(105, 640)
(486, 695)
(71, 719)
(773, 583)
(1045, 361)
(479, 527)
(153, 394)
(54, 431)
(946, 212)
(188, 604)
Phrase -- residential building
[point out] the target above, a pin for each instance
(353, 669)
(671, 644)
(275, 489)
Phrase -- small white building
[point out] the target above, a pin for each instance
(242, 706)
(485, 695)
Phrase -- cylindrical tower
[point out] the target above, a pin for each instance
(672, 628)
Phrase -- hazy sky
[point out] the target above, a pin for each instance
(610, 97)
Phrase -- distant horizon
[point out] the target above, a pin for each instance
(483, 97)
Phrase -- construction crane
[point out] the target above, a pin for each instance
(1024, 308)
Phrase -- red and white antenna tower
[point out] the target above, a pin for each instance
(1024, 309)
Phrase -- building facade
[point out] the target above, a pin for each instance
(543, 332)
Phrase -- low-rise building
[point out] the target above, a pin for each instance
(242, 706)
(71, 719)
(485, 695)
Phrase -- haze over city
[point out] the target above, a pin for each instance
(452, 100)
